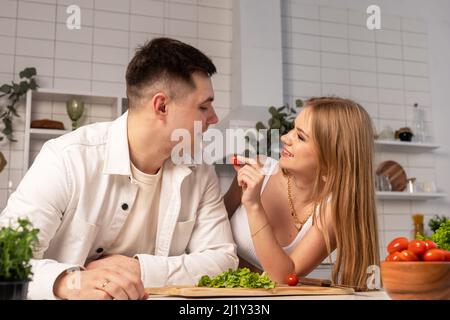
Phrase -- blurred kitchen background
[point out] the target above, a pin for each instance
(268, 52)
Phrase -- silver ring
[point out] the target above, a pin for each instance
(105, 284)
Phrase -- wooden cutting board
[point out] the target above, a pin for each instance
(196, 292)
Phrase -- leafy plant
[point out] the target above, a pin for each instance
(14, 92)
(441, 237)
(282, 119)
(436, 221)
(16, 249)
(240, 278)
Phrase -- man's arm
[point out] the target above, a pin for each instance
(42, 196)
(211, 249)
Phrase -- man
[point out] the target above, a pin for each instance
(109, 200)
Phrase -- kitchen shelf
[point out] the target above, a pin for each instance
(400, 146)
(392, 195)
(47, 133)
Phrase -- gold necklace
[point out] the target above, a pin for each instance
(297, 222)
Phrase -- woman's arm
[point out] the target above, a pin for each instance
(307, 255)
(232, 198)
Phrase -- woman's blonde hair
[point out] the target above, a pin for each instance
(343, 136)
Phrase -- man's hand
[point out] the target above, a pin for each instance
(130, 264)
(104, 282)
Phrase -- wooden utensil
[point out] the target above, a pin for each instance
(395, 173)
(196, 292)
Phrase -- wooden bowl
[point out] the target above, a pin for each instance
(416, 280)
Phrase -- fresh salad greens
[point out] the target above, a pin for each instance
(441, 236)
(240, 278)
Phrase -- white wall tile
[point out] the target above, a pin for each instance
(388, 36)
(87, 4)
(146, 24)
(338, 76)
(221, 82)
(415, 68)
(113, 5)
(390, 22)
(304, 88)
(111, 55)
(35, 48)
(111, 20)
(215, 48)
(72, 69)
(334, 45)
(361, 33)
(181, 28)
(214, 15)
(416, 83)
(422, 98)
(414, 25)
(300, 56)
(72, 84)
(108, 72)
(225, 4)
(421, 160)
(148, 8)
(6, 63)
(364, 94)
(335, 60)
(182, 11)
(394, 111)
(215, 32)
(415, 39)
(391, 96)
(84, 35)
(363, 78)
(86, 18)
(36, 29)
(9, 9)
(109, 88)
(358, 18)
(305, 26)
(36, 11)
(389, 66)
(7, 26)
(363, 63)
(331, 89)
(73, 51)
(301, 10)
(299, 72)
(389, 51)
(223, 65)
(331, 29)
(303, 41)
(390, 81)
(362, 48)
(415, 54)
(108, 37)
(333, 14)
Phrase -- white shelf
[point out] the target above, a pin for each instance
(48, 94)
(386, 195)
(400, 146)
(47, 133)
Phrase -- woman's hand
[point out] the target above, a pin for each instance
(250, 178)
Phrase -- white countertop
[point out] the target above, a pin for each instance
(378, 295)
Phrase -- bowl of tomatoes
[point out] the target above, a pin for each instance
(416, 270)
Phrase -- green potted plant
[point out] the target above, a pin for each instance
(282, 119)
(16, 249)
(13, 92)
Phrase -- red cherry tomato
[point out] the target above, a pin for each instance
(435, 255)
(398, 244)
(430, 244)
(447, 255)
(394, 257)
(234, 160)
(292, 279)
(408, 255)
(417, 246)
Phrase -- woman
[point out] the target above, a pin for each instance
(326, 168)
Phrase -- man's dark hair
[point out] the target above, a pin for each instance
(167, 60)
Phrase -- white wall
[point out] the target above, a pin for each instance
(34, 34)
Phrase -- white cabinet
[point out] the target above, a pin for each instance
(51, 104)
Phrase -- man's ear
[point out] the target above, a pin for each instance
(159, 104)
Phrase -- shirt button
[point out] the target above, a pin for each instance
(99, 250)
(124, 206)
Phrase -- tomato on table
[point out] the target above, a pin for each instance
(398, 244)
(408, 255)
(430, 244)
(292, 279)
(393, 257)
